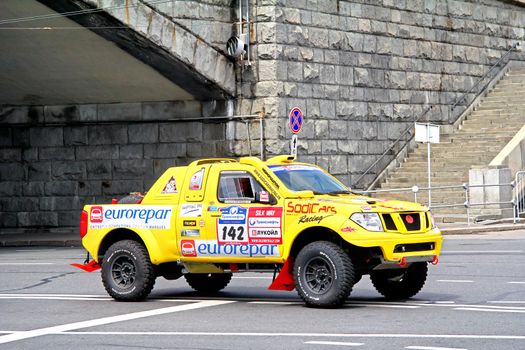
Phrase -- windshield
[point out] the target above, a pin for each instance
(308, 178)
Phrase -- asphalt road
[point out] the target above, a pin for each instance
(474, 299)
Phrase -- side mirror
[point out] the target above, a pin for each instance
(265, 197)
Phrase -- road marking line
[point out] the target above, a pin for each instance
(55, 298)
(445, 302)
(310, 335)
(480, 251)
(384, 305)
(332, 343)
(456, 281)
(55, 295)
(490, 310)
(24, 264)
(516, 282)
(107, 320)
(431, 348)
(275, 302)
(506, 302)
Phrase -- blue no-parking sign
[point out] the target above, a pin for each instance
(295, 120)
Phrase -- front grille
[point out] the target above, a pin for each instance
(413, 247)
(389, 222)
(412, 221)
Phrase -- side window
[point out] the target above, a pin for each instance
(237, 186)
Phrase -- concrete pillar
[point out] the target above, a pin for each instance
(492, 175)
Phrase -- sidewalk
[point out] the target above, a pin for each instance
(70, 237)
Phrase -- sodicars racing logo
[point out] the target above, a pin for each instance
(96, 214)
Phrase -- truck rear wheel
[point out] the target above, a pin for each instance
(400, 283)
(127, 272)
(323, 274)
(208, 282)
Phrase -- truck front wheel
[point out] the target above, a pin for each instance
(400, 283)
(324, 274)
(208, 282)
(127, 272)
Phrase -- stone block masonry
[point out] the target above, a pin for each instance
(49, 171)
(362, 71)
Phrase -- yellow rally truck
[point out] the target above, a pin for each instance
(216, 217)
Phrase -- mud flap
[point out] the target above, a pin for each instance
(284, 280)
(88, 267)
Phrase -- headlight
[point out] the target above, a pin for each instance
(368, 221)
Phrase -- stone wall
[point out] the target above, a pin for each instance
(55, 159)
(362, 71)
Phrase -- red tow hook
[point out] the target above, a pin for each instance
(88, 267)
(435, 260)
(403, 262)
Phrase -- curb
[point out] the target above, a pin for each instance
(41, 243)
(480, 229)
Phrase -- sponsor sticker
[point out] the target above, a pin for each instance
(196, 180)
(231, 227)
(312, 218)
(191, 210)
(171, 187)
(348, 229)
(309, 208)
(187, 248)
(189, 223)
(141, 216)
(264, 225)
(215, 249)
(96, 214)
(264, 197)
(190, 233)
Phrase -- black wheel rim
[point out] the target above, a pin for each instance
(123, 271)
(319, 275)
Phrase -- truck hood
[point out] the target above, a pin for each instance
(354, 203)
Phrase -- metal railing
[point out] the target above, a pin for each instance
(465, 94)
(519, 195)
(390, 149)
(517, 202)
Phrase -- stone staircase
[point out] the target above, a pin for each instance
(479, 139)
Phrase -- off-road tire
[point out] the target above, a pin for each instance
(400, 283)
(208, 282)
(323, 274)
(127, 272)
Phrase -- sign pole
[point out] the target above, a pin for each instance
(429, 168)
(295, 122)
(428, 133)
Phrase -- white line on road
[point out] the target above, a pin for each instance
(516, 282)
(107, 320)
(481, 251)
(55, 295)
(514, 310)
(24, 264)
(431, 348)
(332, 343)
(388, 306)
(456, 281)
(54, 298)
(506, 302)
(310, 335)
(275, 302)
